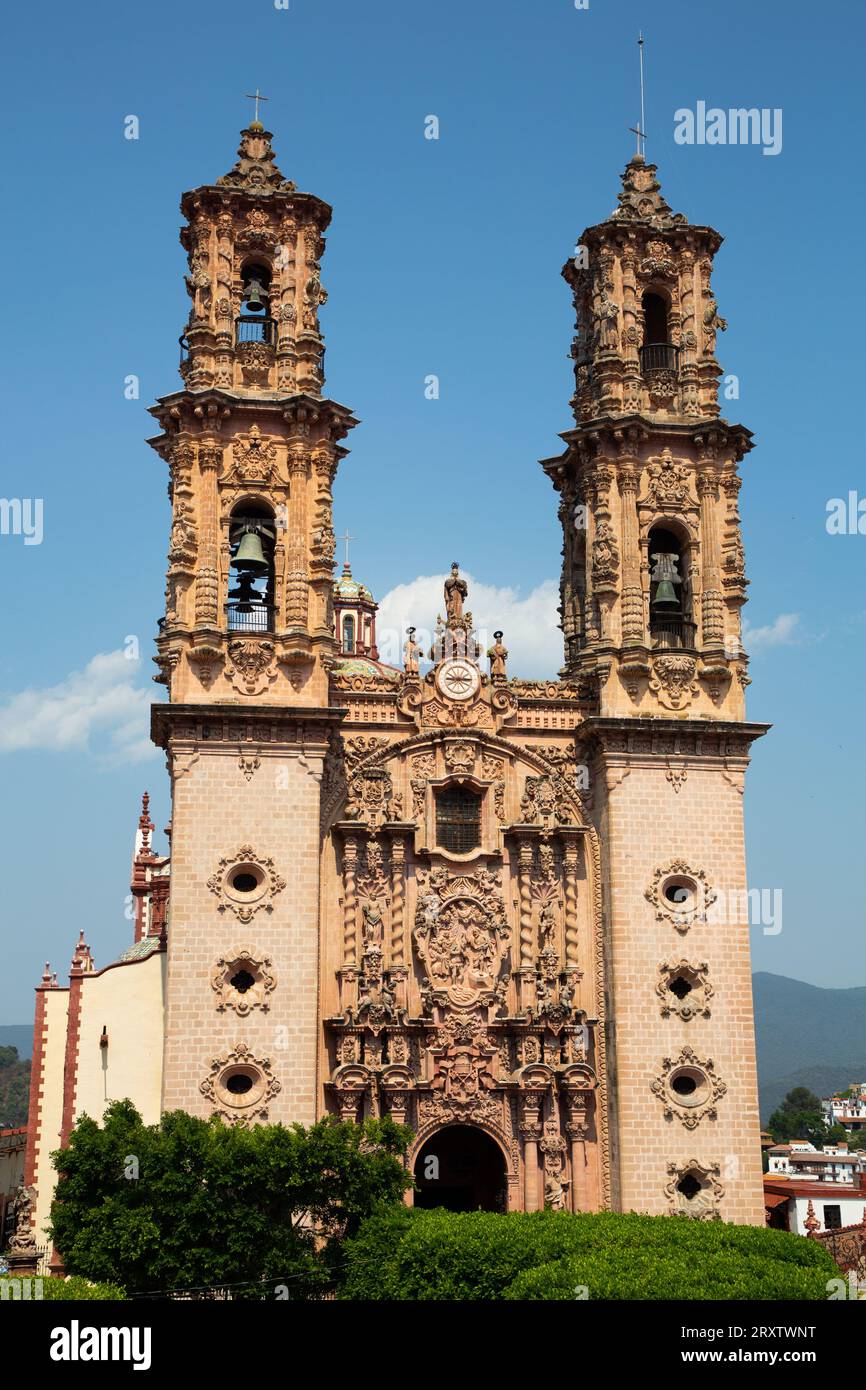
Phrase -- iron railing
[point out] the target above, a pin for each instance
(659, 357)
(253, 328)
(243, 616)
(673, 632)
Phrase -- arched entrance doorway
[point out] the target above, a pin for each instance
(462, 1169)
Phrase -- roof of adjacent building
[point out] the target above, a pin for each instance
(140, 950)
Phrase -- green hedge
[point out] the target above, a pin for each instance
(402, 1254)
(72, 1289)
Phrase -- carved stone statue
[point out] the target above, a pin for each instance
(411, 652)
(23, 1239)
(498, 655)
(373, 925)
(456, 590)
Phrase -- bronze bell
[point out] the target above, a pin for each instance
(255, 296)
(249, 555)
(665, 577)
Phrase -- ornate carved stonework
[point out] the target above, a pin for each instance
(242, 980)
(695, 1190)
(246, 883)
(674, 680)
(240, 1107)
(251, 667)
(684, 989)
(255, 458)
(668, 483)
(680, 895)
(688, 1088)
(461, 933)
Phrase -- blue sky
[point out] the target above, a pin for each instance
(443, 257)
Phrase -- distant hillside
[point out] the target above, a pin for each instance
(18, 1035)
(14, 1089)
(807, 1036)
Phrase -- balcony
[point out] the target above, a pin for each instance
(659, 357)
(243, 616)
(254, 328)
(673, 634)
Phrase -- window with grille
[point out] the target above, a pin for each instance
(458, 820)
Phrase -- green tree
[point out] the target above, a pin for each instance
(799, 1117)
(191, 1203)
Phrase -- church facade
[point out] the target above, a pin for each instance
(507, 912)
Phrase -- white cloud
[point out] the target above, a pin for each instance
(100, 710)
(784, 631)
(532, 636)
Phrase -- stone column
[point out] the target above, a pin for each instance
(527, 943)
(349, 971)
(207, 611)
(296, 538)
(398, 971)
(571, 856)
(577, 1129)
(712, 600)
(632, 593)
(530, 1129)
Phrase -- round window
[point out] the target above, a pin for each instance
(246, 883)
(688, 1085)
(239, 1086)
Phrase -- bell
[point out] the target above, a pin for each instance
(255, 300)
(245, 597)
(665, 577)
(249, 555)
(665, 594)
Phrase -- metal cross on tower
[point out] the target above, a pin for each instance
(256, 96)
(346, 538)
(639, 130)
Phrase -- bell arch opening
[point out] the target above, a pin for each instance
(461, 1168)
(252, 538)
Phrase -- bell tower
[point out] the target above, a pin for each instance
(652, 577)
(247, 642)
(652, 586)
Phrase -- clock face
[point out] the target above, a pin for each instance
(458, 679)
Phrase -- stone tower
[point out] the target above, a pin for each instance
(246, 644)
(652, 586)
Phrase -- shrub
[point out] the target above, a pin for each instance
(402, 1254)
(54, 1288)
